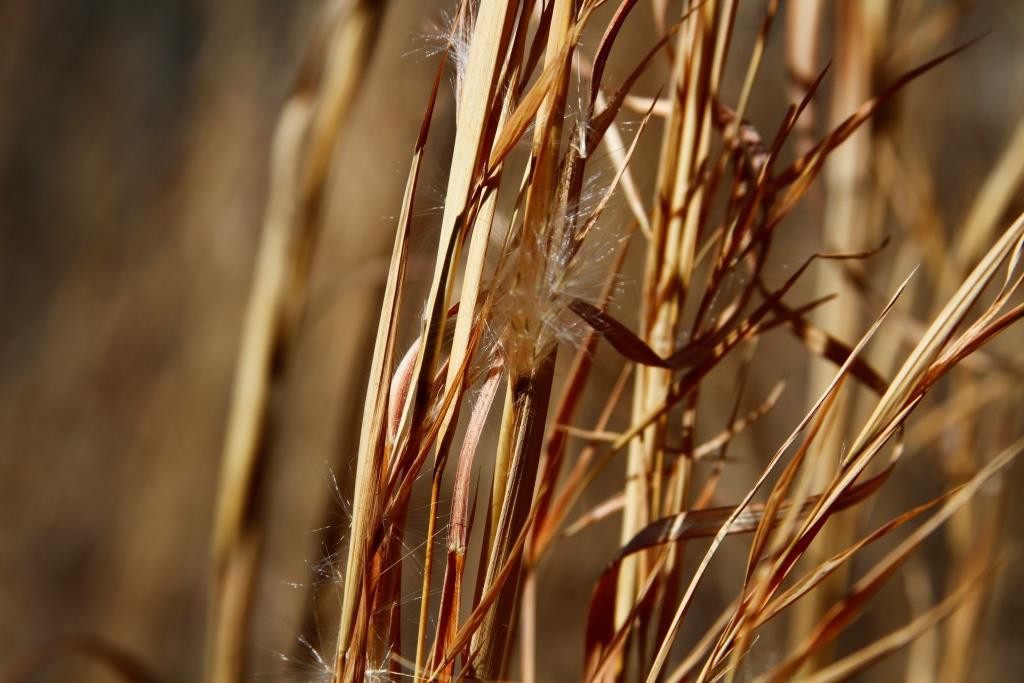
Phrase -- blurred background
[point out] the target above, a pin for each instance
(134, 144)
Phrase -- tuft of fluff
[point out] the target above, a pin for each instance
(313, 668)
(541, 272)
(451, 34)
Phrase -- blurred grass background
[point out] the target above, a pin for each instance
(134, 139)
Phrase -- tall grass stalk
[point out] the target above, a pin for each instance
(304, 140)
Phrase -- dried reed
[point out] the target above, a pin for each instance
(535, 103)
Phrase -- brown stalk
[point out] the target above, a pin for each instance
(846, 610)
(529, 389)
(852, 664)
(685, 603)
(668, 269)
(849, 227)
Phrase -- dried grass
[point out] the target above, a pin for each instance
(723, 192)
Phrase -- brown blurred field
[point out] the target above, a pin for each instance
(134, 143)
